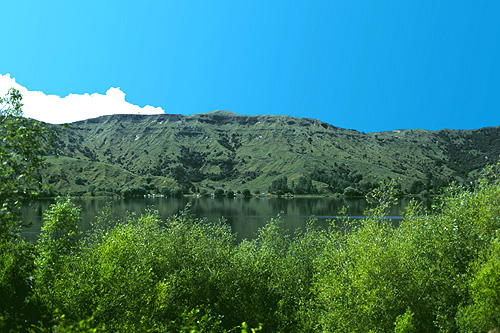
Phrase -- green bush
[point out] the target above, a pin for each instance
(18, 310)
(22, 150)
(79, 180)
(436, 271)
(352, 191)
(218, 193)
(133, 192)
(177, 192)
(304, 186)
(279, 186)
(140, 274)
(144, 273)
(483, 313)
(374, 274)
(273, 275)
(56, 246)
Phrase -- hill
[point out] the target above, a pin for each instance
(222, 149)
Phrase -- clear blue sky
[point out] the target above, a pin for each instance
(366, 65)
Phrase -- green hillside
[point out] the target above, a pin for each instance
(222, 149)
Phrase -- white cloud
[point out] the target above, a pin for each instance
(58, 110)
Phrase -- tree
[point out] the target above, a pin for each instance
(304, 186)
(417, 187)
(59, 237)
(351, 191)
(482, 313)
(134, 192)
(218, 193)
(279, 186)
(177, 192)
(22, 150)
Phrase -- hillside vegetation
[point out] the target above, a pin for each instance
(221, 149)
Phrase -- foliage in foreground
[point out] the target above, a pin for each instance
(22, 147)
(436, 271)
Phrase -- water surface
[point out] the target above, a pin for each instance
(244, 215)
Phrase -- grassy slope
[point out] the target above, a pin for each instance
(63, 172)
(259, 149)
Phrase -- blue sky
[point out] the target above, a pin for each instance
(365, 65)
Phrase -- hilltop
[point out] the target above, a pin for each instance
(221, 149)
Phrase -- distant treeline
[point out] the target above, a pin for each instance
(342, 181)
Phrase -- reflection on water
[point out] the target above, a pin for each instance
(244, 215)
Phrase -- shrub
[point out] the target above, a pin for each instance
(434, 272)
(304, 186)
(79, 180)
(218, 193)
(58, 240)
(133, 192)
(375, 276)
(17, 307)
(22, 150)
(177, 192)
(351, 192)
(140, 275)
(279, 186)
(483, 313)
